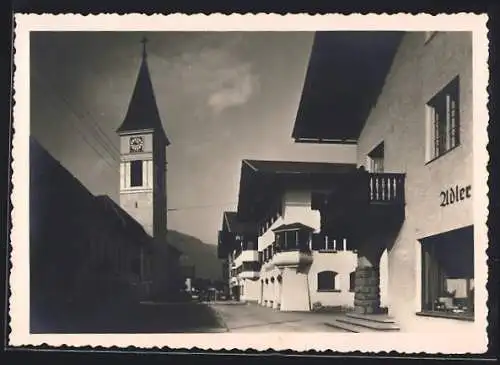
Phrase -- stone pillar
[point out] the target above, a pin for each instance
(367, 293)
(367, 279)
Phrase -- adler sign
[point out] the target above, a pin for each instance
(455, 195)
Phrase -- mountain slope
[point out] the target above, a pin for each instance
(200, 254)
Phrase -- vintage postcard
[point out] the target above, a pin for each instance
(250, 182)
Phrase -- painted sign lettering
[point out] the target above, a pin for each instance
(455, 195)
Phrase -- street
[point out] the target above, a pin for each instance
(148, 317)
(211, 317)
(254, 318)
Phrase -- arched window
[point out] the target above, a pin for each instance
(352, 281)
(326, 280)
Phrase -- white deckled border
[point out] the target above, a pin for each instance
(458, 343)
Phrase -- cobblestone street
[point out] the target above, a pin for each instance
(254, 318)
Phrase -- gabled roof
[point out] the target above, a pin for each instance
(234, 225)
(129, 224)
(346, 72)
(142, 112)
(293, 227)
(121, 217)
(262, 183)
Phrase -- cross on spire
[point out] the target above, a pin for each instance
(144, 41)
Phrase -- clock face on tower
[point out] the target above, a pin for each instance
(136, 144)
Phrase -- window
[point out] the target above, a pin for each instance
(253, 266)
(376, 159)
(248, 242)
(448, 274)
(444, 121)
(136, 173)
(352, 281)
(293, 240)
(326, 280)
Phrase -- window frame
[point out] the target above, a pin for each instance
(136, 172)
(443, 132)
(320, 277)
(376, 159)
(431, 290)
(352, 281)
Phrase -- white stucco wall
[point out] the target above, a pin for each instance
(251, 290)
(399, 119)
(296, 208)
(341, 262)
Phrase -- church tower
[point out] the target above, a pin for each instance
(143, 165)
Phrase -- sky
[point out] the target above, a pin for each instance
(222, 96)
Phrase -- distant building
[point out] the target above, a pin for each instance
(405, 101)
(285, 262)
(237, 238)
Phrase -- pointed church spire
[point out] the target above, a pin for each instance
(144, 41)
(143, 111)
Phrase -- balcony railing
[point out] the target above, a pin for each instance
(365, 188)
(386, 188)
(322, 242)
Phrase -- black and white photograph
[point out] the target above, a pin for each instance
(208, 185)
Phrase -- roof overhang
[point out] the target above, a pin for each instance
(345, 75)
(261, 190)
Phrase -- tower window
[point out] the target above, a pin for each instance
(136, 173)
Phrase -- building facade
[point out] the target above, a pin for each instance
(284, 262)
(87, 255)
(411, 203)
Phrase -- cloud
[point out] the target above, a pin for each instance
(217, 76)
(237, 87)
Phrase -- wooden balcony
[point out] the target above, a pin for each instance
(293, 255)
(386, 188)
(362, 203)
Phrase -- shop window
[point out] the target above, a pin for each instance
(352, 281)
(448, 274)
(136, 173)
(326, 280)
(444, 120)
